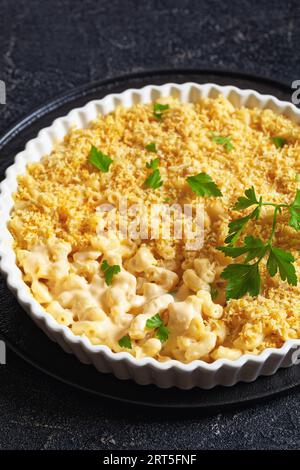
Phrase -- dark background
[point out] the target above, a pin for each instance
(50, 47)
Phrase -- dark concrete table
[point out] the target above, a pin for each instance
(47, 48)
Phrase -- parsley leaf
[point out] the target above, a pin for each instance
(249, 200)
(99, 159)
(225, 141)
(125, 342)
(154, 322)
(151, 147)
(162, 333)
(245, 278)
(203, 185)
(282, 260)
(254, 247)
(294, 210)
(109, 271)
(154, 180)
(158, 110)
(279, 142)
(242, 278)
(153, 164)
(237, 226)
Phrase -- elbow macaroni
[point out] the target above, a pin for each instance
(71, 287)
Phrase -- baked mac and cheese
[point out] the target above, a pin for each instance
(155, 297)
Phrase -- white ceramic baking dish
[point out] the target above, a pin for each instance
(123, 365)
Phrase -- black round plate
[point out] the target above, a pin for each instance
(29, 342)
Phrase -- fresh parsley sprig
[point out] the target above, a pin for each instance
(109, 271)
(99, 159)
(125, 342)
(225, 141)
(158, 110)
(153, 164)
(162, 333)
(151, 147)
(294, 210)
(237, 226)
(243, 278)
(155, 322)
(203, 185)
(154, 180)
(279, 142)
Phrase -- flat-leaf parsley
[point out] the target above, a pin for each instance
(151, 147)
(155, 322)
(154, 180)
(203, 185)
(125, 342)
(158, 110)
(109, 271)
(99, 159)
(162, 333)
(225, 141)
(279, 142)
(243, 278)
(153, 164)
